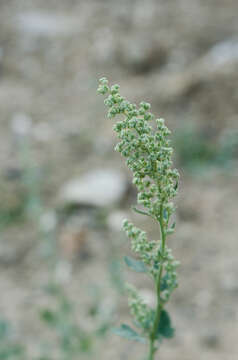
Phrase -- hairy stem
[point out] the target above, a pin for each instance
(158, 288)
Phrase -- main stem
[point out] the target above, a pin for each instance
(153, 334)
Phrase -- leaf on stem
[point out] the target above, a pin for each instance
(135, 265)
(165, 329)
(141, 212)
(165, 215)
(164, 284)
(127, 332)
(172, 228)
(176, 185)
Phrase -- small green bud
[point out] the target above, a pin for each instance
(103, 81)
(115, 89)
(146, 106)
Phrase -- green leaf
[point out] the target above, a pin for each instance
(171, 230)
(165, 329)
(173, 225)
(127, 332)
(164, 284)
(176, 185)
(135, 265)
(139, 211)
(165, 215)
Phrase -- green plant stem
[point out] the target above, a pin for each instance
(158, 288)
(151, 353)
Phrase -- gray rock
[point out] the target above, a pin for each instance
(45, 24)
(97, 188)
(223, 53)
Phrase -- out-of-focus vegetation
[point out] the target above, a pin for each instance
(10, 349)
(196, 152)
(66, 339)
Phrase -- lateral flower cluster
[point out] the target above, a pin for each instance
(150, 253)
(141, 312)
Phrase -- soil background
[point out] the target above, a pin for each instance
(182, 57)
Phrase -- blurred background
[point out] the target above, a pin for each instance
(64, 191)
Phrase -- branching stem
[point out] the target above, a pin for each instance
(154, 331)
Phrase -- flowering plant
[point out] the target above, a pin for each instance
(145, 145)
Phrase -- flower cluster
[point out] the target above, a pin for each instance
(145, 145)
(150, 254)
(140, 244)
(141, 312)
(169, 281)
(147, 150)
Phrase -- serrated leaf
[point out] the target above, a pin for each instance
(135, 265)
(165, 329)
(127, 332)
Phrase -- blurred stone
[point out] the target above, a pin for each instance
(21, 124)
(97, 188)
(45, 24)
(115, 220)
(219, 62)
(223, 53)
